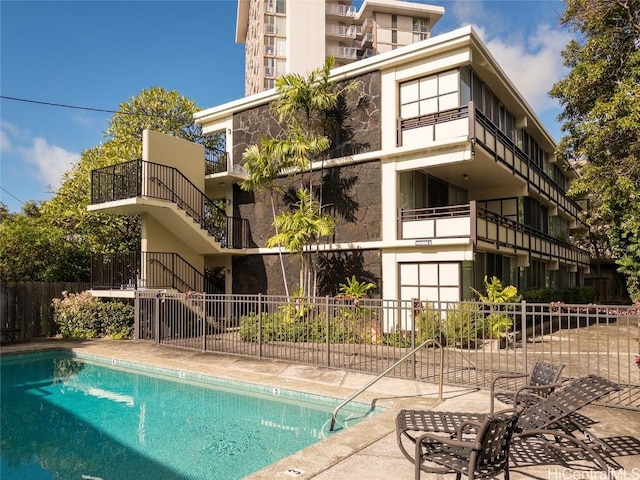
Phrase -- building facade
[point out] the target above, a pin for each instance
(446, 176)
(273, 32)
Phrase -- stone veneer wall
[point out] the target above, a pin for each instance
(255, 274)
(360, 131)
(351, 193)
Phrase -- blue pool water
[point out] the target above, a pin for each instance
(64, 417)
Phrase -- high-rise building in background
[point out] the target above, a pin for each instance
(295, 36)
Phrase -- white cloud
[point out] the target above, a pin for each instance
(530, 59)
(533, 64)
(7, 132)
(51, 161)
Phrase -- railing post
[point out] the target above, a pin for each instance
(204, 322)
(156, 319)
(259, 325)
(136, 316)
(327, 328)
(523, 329)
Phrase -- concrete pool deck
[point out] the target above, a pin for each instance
(367, 450)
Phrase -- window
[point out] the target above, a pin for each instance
(275, 46)
(474, 89)
(274, 25)
(535, 215)
(429, 94)
(420, 29)
(420, 190)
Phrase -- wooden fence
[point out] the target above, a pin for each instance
(25, 307)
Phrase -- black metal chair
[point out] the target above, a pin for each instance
(549, 422)
(483, 454)
(542, 375)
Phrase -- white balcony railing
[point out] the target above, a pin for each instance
(269, 72)
(340, 10)
(342, 52)
(269, 50)
(366, 27)
(342, 31)
(270, 28)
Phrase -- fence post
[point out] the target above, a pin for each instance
(259, 325)
(523, 329)
(328, 323)
(156, 319)
(136, 316)
(204, 321)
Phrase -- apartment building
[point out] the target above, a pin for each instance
(295, 36)
(447, 175)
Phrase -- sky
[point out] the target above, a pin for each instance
(99, 54)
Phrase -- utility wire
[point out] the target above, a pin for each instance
(10, 194)
(91, 109)
(77, 107)
(26, 100)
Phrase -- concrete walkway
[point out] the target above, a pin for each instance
(367, 450)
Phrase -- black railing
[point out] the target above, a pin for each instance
(139, 178)
(556, 194)
(154, 270)
(516, 240)
(215, 161)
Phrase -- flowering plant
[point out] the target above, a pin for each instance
(638, 361)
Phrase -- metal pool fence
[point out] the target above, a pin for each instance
(369, 335)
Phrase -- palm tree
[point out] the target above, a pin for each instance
(263, 172)
(300, 227)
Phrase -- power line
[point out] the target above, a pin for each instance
(77, 107)
(62, 105)
(10, 194)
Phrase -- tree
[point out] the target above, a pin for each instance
(600, 97)
(32, 249)
(300, 227)
(304, 105)
(263, 171)
(156, 109)
(52, 241)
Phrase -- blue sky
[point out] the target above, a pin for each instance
(98, 54)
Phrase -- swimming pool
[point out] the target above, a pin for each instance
(67, 415)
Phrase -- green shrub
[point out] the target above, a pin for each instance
(462, 328)
(82, 316)
(578, 295)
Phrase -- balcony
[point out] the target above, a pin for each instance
(366, 41)
(138, 186)
(340, 31)
(487, 230)
(366, 53)
(491, 148)
(340, 11)
(269, 50)
(269, 72)
(350, 53)
(366, 27)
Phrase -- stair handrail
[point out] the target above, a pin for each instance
(198, 212)
(412, 352)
